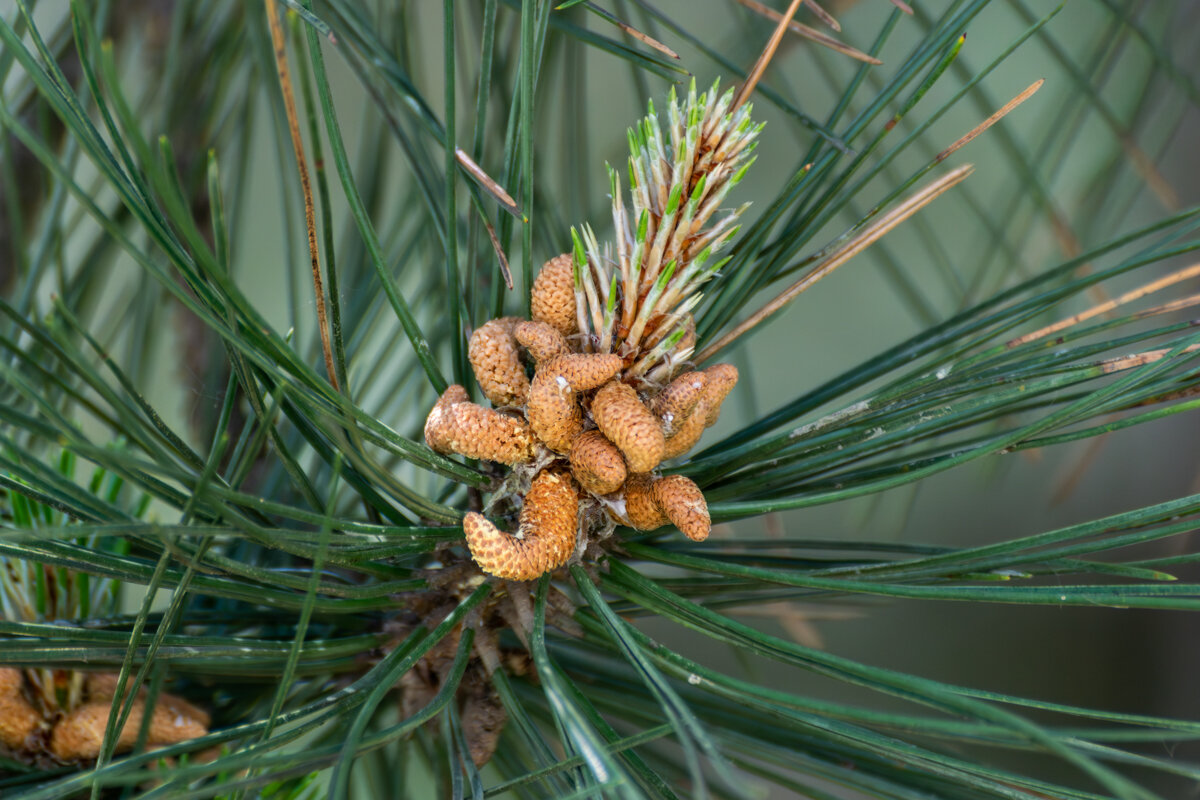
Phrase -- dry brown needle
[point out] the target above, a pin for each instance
(310, 218)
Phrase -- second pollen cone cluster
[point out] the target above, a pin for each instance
(597, 436)
(77, 735)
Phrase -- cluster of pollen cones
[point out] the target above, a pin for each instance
(78, 734)
(611, 333)
(592, 439)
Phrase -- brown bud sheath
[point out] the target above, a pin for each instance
(553, 408)
(543, 341)
(79, 735)
(552, 299)
(497, 363)
(477, 432)
(483, 721)
(721, 380)
(545, 537)
(688, 342)
(676, 401)
(18, 717)
(597, 463)
(683, 503)
(629, 425)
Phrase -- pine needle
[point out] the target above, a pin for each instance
(1004, 110)
(310, 217)
(811, 33)
(864, 239)
(764, 58)
(1109, 305)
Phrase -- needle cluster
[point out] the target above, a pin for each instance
(637, 299)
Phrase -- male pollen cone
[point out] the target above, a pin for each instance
(553, 408)
(79, 734)
(653, 502)
(10, 680)
(718, 382)
(477, 432)
(629, 425)
(676, 401)
(684, 504)
(543, 341)
(640, 505)
(721, 380)
(687, 433)
(552, 298)
(545, 536)
(18, 717)
(438, 425)
(100, 685)
(597, 463)
(497, 362)
(103, 686)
